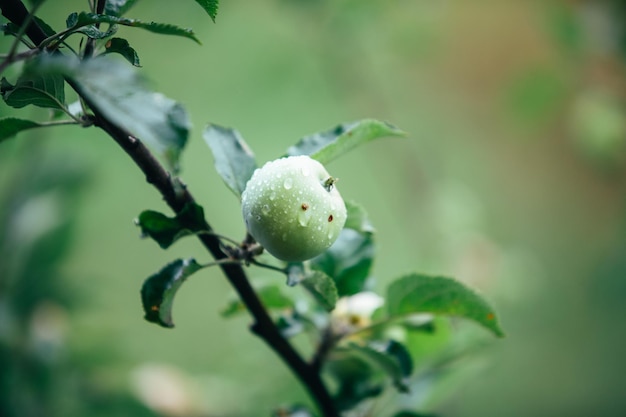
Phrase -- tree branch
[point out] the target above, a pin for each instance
(177, 196)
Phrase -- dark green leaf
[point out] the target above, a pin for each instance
(357, 218)
(418, 293)
(356, 377)
(323, 289)
(210, 6)
(11, 126)
(12, 29)
(122, 47)
(47, 30)
(391, 357)
(348, 261)
(45, 90)
(326, 146)
(117, 91)
(270, 296)
(118, 7)
(158, 291)
(234, 161)
(81, 19)
(289, 324)
(166, 230)
(71, 20)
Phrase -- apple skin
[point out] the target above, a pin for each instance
(292, 207)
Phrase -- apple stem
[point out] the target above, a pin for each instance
(330, 183)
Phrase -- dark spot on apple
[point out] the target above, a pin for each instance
(304, 206)
(330, 218)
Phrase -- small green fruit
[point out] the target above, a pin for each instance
(293, 209)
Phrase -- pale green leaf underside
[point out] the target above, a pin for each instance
(234, 160)
(117, 91)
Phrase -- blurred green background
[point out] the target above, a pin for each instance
(512, 179)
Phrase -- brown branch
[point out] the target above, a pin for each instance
(177, 196)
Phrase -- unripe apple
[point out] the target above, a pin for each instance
(292, 207)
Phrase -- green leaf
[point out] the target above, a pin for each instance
(270, 296)
(93, 32)
(11, 126)
(118, 92)
(210, 6)
(326, 146)
(167, 230)
(391, 357)
(47, 30)
(118, 7)
(41, 90)
(234, 161)
(323, 289)
(12, 29)
(78, 20)
(417, 293)
(356, 377)
(290, 324)
(158, 291)
(357, 218)
(122, 47)
(348, 261)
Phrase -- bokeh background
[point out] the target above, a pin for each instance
(512, 179)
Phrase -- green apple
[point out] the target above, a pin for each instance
(292, 207)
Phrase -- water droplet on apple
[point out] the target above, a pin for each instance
(288, 183)
(304, 217)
